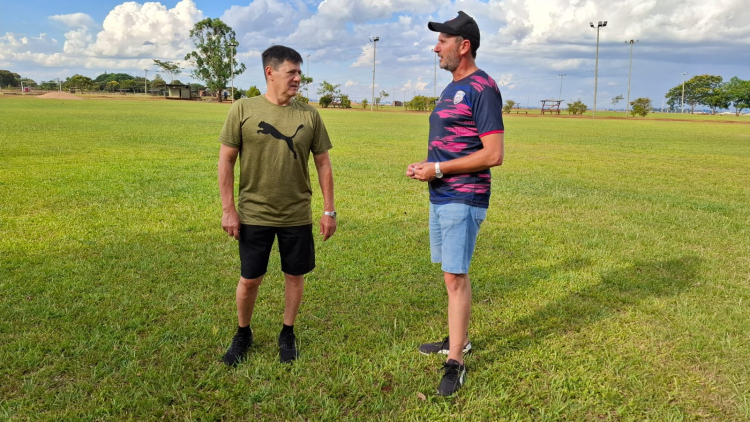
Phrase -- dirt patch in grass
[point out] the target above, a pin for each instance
(60, 96)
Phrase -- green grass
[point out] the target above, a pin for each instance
(610, 280)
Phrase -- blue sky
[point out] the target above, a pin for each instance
(526, 44)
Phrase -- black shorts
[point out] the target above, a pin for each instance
(296, 248)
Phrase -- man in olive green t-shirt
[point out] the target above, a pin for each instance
(274, 135)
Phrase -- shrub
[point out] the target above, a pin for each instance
(577, 107)
(640, 107)
(325, 101)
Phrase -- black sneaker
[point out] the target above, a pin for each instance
(238, 350)
(453, 379)
(287, 348)
(440, 347)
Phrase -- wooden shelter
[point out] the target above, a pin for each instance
(551, 106)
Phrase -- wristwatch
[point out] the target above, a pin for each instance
(330, 213)
(438, 173)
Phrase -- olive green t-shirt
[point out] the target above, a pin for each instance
(275, 144)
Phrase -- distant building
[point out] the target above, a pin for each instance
(178, 92)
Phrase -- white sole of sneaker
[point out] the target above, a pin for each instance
(467, 349)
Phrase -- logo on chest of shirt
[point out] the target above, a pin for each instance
(268, 129)
(458, 97)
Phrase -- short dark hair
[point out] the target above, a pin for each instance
(474, 48)
(276, 55)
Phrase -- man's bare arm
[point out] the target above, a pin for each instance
(325, 179)
(230, 221)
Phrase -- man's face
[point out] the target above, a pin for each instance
(448, 48)
(286, 78)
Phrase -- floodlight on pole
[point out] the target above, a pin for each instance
(559, 96)
(145, 83)
(683, 92)
(374, 50)
(630, 72)
(596, 68)
(307, 86)
(232, 45)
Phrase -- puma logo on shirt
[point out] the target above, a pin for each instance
(268, 129)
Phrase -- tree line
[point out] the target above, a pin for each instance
(711, 91)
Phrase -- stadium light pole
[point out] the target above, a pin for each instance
(559, 96)
(596, 68)
(145, 83)
(307, 86)
(232, 45)
(630, 72)
(434, 94)
(374, 50)
(683, 92)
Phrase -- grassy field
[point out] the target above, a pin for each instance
(610, 280)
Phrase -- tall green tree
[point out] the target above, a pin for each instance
(328, 92)
(329, 89)
(131, 84)
(79, 81)
(739, 94)
(710, 91)
(213, 41)
(8, 78)
(700, 89)
(674, 96)
(170, 68)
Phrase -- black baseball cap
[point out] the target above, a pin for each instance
(463, 25)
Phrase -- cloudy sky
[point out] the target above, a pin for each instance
(526, 44)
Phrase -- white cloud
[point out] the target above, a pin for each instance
(417, 85)
(505, 80)
(75, 20)
(350, 84)
(365, 58)
(146, 30)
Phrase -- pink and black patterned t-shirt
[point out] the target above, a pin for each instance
(467, 109)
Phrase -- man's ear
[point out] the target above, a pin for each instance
(465, 47)
(268, 71)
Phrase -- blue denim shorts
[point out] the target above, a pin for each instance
(453, 235)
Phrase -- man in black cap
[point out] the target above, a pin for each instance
(466, 140)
